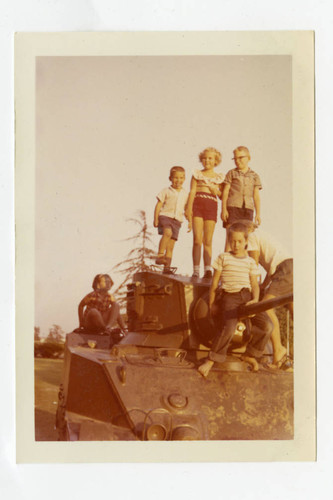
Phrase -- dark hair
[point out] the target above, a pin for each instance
(97, 279)
(176, 169)
(238, 227)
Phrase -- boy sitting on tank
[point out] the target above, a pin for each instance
(239, 286)
(98, 311)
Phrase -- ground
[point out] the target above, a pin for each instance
(48, 374)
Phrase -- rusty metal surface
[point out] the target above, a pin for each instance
(229, 405)
(147, 386)
(139, 391)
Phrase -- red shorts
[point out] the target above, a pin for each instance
(205, 206)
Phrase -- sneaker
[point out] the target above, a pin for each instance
(160, 261)
(195, 275)
(208, 274)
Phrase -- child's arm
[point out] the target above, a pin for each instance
(157, 210)
(256, 199)
(266, 281)
(80, 311)
(225, 194)
(254, 289)
(254, 254)
(189, 205)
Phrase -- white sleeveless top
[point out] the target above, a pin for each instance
(203, 180)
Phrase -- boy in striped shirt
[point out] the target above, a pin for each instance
(239, 285)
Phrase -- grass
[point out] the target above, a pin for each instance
(48, 376)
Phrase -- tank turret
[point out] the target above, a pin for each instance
(146, 386)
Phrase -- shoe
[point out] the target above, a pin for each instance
(160, 261)
(195, 274)
(167, 270)
(285, 363)
(107, 331)
(208, 275)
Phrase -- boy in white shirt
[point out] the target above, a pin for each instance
(278, 265)
(169, 215)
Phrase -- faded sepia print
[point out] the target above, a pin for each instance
(164, 246)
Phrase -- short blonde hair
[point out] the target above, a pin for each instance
(218, 155)
(242, 148)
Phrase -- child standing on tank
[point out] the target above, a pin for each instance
(202, 208)
(98, 311)
(169, 215)
(240, 197)
(239, 286)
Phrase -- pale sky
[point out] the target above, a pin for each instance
(108, 130)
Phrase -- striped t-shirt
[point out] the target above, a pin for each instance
(235, 271)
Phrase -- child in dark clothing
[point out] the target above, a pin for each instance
(98, 310)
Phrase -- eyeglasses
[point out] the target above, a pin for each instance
(240, 157)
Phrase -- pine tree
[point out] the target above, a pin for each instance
(138, 258)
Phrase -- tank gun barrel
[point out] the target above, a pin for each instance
(245, 311)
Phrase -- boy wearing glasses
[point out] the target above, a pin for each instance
(240, 197)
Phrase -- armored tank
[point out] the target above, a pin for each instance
(146, 386)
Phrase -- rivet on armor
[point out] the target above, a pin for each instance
(177, 400)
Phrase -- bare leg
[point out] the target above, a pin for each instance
(208, 231)
(113, 315)
(164, 242)
(169, 251)
(279, 351)
(205, 368)
(197, 240)
(252, 361)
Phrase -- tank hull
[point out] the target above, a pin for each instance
(147, 387)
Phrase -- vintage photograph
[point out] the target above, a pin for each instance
(164, 246)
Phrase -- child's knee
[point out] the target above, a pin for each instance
(197, 240)
(207, 244)
(115, 306)
(167, 232)
(93, 314)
